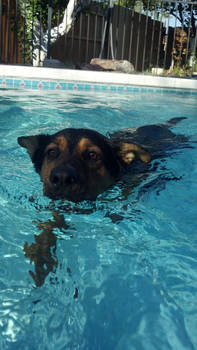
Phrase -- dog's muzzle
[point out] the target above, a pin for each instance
(64, 183)
(60, 178)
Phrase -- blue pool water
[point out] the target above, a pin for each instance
(124, 268)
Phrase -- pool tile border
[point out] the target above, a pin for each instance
(36, 84)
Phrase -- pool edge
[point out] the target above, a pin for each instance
(94, 77)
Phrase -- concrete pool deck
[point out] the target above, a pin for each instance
(95, 77)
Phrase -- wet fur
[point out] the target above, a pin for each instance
(78, 164)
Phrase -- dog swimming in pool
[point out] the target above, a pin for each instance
(79, 164)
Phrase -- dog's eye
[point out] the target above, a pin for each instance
(92, 155)
(53, 153)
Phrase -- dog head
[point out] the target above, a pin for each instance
(79, 164)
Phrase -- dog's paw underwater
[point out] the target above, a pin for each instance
(79, 164)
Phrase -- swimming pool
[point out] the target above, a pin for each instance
(124, 268)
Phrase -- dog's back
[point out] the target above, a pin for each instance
(157, 139)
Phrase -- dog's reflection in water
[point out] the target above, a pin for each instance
(42, 253)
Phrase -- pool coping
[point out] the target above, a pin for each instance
(94, 77)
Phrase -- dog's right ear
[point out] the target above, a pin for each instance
(33, 143)
(127, 152)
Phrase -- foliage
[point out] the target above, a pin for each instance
(181, 71)
(195, 65)
(38, 9)
(33, 12)
(184, 12)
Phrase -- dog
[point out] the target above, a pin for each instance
(79, 164)
(73, 164)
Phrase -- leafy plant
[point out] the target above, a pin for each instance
(32, 13)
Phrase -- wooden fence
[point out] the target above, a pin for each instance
(10, 48)
(136, 38)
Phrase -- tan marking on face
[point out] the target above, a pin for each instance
(47, 166)
(85, 144)
(102, 171)
(46, 169)
(96, 177)
(50, 146)
(62, 143)
(99, 182)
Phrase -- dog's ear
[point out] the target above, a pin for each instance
(33, 143)
(128, 152)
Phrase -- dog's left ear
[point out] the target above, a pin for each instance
(32, 143)
(128, 152)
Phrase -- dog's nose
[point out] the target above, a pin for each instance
(63, 177)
